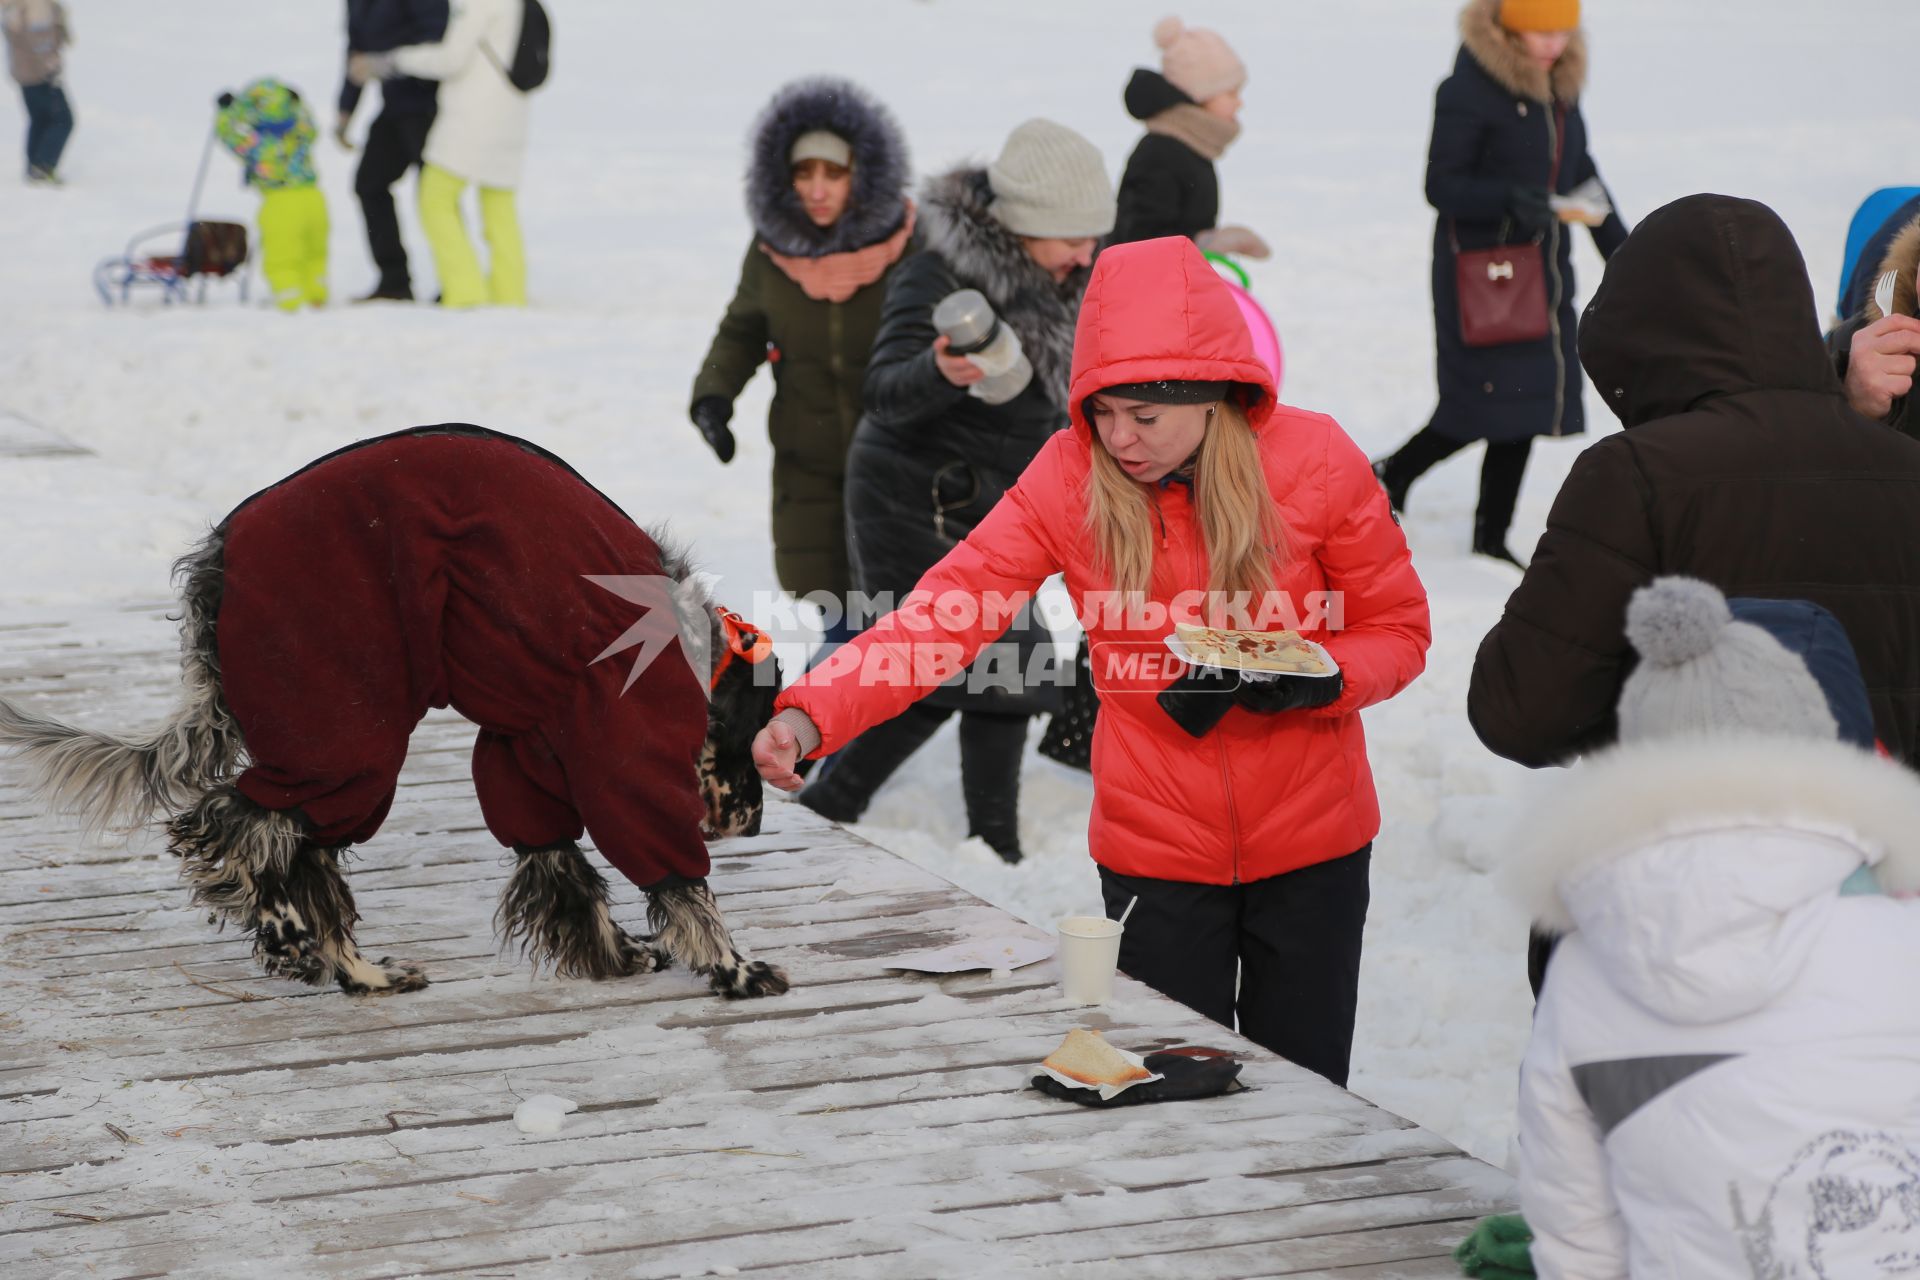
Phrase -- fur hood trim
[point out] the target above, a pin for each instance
(1499, 54)
(877, 207)
(957, 213)
(1903, 256)
(1632, 797)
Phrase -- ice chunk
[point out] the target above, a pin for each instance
(543, 1113)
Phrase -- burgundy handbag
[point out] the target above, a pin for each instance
(1502, 292)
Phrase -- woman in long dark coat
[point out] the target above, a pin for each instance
(1507, 135)
(932, 456)
(826, 188)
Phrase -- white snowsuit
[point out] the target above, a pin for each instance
(1724, 1077)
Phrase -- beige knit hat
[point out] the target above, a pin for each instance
(821, 144)
(1051, 182)
(1196, 61)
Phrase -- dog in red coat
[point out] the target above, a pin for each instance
(445, 566)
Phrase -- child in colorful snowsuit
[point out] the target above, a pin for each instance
(269, 127)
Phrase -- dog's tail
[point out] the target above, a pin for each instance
(113, 782)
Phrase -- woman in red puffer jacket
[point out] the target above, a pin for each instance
(1242, 818)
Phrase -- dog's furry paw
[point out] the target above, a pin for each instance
(749, 980)
(637, 957)
(383, 977)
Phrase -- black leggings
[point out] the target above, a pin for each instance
(990, 750)
(1500, 473)
(1292, 941)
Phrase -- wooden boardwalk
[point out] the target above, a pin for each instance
(165, 1111)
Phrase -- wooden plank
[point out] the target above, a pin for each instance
(868, 1123)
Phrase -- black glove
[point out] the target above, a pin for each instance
(1528, 208)
(1189, 1072)
(224, 100)
(1288, 693)
(711, 414)
(1200, 699)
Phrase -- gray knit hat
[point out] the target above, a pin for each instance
(1051, 182)
(1703, 672)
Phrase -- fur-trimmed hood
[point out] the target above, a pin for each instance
(957, 214)
(1903, 256)
(877, 205)
(1499, 54)
(1699, 867)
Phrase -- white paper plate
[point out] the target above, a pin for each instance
(1179, 648)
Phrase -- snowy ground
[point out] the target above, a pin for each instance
(634, 228)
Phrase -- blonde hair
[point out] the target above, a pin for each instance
(1239, 523)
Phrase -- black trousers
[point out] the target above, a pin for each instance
(990, 750)
(1501, 472)
(1291, 941)
(395, 140)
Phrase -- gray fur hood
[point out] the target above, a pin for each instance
(881, 170)
(957, 218)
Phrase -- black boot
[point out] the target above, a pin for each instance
(1493, 545)
(991, 747)
(1396, 486)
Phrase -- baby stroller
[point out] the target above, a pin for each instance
(175, 255)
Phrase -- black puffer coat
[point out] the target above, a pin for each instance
(1741, 464)
(1498, 122)
(1168, 189)
(929, 459)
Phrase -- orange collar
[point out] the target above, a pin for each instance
(744, 641)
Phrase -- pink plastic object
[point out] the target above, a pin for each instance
(1266, 341)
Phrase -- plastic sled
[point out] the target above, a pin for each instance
(1266, 339)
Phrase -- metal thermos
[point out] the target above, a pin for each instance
(972, 330)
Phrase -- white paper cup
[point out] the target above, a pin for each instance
(1089, 955)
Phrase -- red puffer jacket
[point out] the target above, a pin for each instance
(1261, 794)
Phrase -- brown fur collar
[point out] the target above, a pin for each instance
(1903, 256)
(1499, 54)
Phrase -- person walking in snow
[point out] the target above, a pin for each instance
(478, 138)
(826, 192)
(37, 34)
(932, 454)
(268, 126)
(397, 136)
(1721, 1077)
(1191, 109)
(1240, 818)
(1508, 138)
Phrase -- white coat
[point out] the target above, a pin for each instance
(480, 132)
(1724, 1076)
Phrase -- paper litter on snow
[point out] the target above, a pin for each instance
(543, 1113)
(1001, 954)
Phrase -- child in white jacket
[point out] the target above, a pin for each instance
(1724, 1076)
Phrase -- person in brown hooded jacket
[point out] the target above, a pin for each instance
(1741, 465)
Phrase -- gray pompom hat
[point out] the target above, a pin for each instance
(1702, 671)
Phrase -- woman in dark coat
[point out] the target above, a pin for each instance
(1507, 136)
(826, 189)
(932, 456)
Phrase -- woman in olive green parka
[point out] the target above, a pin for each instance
(826, 190)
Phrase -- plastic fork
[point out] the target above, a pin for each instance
(1883, 292)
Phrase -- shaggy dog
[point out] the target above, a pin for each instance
(445, 566)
